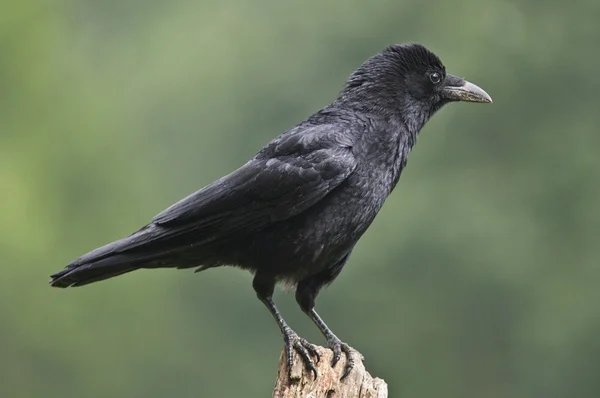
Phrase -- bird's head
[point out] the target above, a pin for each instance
(407, 80)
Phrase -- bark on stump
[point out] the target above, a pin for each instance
(301, 384)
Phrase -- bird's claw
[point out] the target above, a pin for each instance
(338, 346)
(303, 348)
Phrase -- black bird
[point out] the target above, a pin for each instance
(294, 212)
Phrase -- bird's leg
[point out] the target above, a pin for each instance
(336, 344)
(264, 291)
(305, 296)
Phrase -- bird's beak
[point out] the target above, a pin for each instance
(457, 89)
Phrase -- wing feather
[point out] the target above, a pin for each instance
(287, 177)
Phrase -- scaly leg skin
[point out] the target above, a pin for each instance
(303, 347)
(336, 345)
(264, 291)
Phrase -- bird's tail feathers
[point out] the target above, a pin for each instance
(114, 259)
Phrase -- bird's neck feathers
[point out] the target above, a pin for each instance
(395, 108)
(386, 96)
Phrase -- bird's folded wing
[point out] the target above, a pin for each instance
(289, 176)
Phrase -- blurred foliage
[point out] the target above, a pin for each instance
(480, 278)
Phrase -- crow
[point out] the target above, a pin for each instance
(293, 213)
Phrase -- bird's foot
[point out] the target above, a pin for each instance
(303, 347)
(352, 355)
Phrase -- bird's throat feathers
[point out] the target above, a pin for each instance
(405, 141)
(414, 116)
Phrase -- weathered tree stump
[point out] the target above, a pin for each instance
(301, 384)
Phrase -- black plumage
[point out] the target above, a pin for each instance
(294, 212)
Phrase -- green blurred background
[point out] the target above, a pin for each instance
(480, 278)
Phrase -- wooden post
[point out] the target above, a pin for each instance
(301, 384)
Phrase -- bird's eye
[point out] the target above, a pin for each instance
(435, 78)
